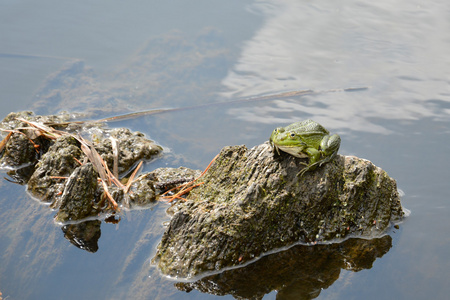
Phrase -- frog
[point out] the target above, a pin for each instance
(306, 139)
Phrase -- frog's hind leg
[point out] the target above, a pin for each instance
(326, 159)
(310, 167)
(314, 164)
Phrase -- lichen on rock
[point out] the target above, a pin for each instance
(252, 203)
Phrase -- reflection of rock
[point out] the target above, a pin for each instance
(298, 273)
(84, 235)
(21, 175)
(252, 203)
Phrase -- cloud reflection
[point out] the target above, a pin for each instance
(321, 46)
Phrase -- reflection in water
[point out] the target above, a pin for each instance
(21, 175)
(84, 235)
(300, 272)
(399, 49)
(149, 76)
(394, 48)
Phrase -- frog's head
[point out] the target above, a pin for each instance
(282, 138)
(275, 134)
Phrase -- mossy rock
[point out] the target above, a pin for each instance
(253, 203)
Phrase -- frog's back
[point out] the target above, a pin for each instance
(309, 131)
(307, 127)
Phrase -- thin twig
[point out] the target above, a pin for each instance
(110, 198)
(115, 150)
(130, 180)
(183, 192)
(58, 177)
(5, 141)
(186, 187)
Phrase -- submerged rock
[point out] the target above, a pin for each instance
(252, 203)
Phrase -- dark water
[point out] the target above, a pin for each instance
(109, 58)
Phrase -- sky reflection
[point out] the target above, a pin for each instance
(391, 48)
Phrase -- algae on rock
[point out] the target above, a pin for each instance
(78, 198)
(46, 153)
(252, 203)
(46, 182)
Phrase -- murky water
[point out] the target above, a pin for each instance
(105, 59)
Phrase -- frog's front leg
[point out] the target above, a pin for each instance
(314, 157)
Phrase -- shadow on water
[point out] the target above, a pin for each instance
(300, 272)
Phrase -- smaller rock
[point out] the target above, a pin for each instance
(58, 161)
(77, 201)
(153, 184)
(19, 152)
(132, 146)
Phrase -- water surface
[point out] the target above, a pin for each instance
(109, 58)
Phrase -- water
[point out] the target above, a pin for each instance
(107, 58)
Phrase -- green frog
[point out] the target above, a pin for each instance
(306, 139)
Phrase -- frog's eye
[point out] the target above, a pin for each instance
(280, 129)
(292, 135)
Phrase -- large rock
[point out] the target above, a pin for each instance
(252, 203)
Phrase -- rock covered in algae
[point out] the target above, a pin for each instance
(46, 182)
(132, 147)
(45, 153)
(77, 200)
(253, 203)
(18, 152)
(22, 149)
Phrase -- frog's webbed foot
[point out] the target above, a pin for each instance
(316, 164)
(302, 171)
(327, 159)
(310, 167)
